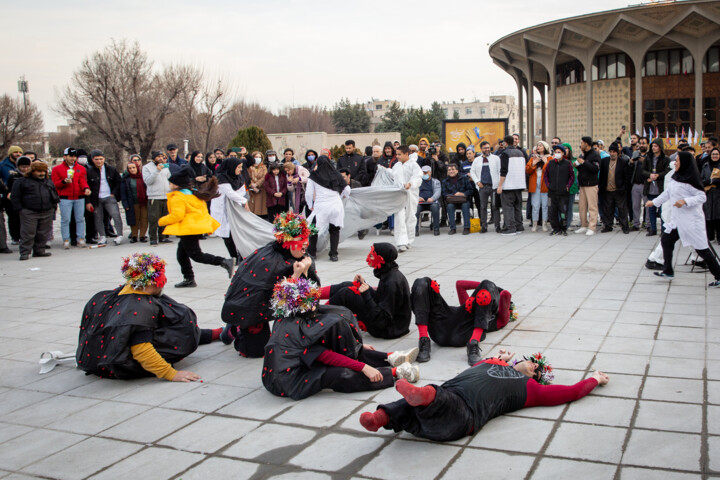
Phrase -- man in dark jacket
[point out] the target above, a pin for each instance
(353, 162)
(656, 166)
(34, 198)
(637, 162)
(614, 179)
(588, 166)
(175, 161)
(104, 183)
(455, 188)
(559, 177)
(511, 185)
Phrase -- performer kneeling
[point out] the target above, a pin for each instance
(314, 347)
(487, 310)
(247, 302)
(136, 331)
(385, 312)
(462, 405)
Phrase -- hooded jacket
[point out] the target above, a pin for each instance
(662, 168)
(34, 194)
(187, 215)
(74, 190)
(588, 170)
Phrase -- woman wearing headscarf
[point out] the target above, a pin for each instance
(276, 190)
(202, 172)
(711, 181)
(212, 163)
(388, 157)
(297, 176)
(231, 190)
(256, 185)
(324, 193)
(685, 194)
(135, 202)
(311, 157)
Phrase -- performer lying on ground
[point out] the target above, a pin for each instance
(487, 310)
(136, 331)
(247, 302)
(384, 312)
(314, 347)
(462, 405)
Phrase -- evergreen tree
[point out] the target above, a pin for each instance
(252, 138)
(393, 120)
(350, 118)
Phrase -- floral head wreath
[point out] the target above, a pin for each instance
(374, 259)
(545, 370)
(290, 225)
(142, 269)
(513, 312)
(292, 296)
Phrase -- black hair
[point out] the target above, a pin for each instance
(644, 138)
(218, 150)
(350, 142)
(368, 151)
(484, 142)
(289, 150)
(345, 171)
(509, 139)
(558, 139)
(587, 140)
(403, 149)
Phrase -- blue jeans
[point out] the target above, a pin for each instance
(653, 213)
(570, 206)
(465, 207)
(67, 207)
(538, 199)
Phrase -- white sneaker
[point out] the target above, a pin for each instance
(589, 233)
(102, 241)
(402, 248)
(399, 357)
(81, 243)
(411, 373)
(117, 240)
(581, 230)
(66, 244)
(545, 229)
(534, 228)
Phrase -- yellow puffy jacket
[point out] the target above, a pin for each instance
(188, 215)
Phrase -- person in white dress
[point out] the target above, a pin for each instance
(687, 224)
(324, 192)
(231, 189)
(407, 173)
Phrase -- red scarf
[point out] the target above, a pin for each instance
(140, 186)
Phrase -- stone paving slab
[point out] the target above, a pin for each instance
(588, 302)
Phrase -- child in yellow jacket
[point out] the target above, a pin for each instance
(188, 219)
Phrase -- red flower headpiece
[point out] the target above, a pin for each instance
(374, 260)
(292, 230)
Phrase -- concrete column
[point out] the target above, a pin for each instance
(519, 81)
(530, 108)
(543, 115)
(552, 100)
(638, 95)
(589, 101)
(699, 103)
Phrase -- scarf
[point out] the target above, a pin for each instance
(226, 173)
(139, 186)
(325, 175)
(688, 171)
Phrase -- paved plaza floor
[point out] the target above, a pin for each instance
(587, 302)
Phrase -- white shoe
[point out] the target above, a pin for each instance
(81, 243)
(402, 248)
(117, 240)
(102, 241)
(581, 230)
(399, 357)
(545, 229)
(411, 373)
(66, 244)
(534, 228)
(589, 233)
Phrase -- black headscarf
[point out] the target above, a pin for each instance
(389, 253)
(688, 171)
(212, 167)
(199, 168)
(226, 172)
(325, 175)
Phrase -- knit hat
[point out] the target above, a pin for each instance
(183, 178)
(543, 374)
(290, 225)
(270, 152)
(155, 154)
(96, 153)
(38, 166)
(545, 146)
(142, 269)
(23, 161)
(14, 149)
(292, 296)
(559, 147)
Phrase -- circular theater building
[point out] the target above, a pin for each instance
(648, 67)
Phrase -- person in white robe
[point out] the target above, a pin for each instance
(407, 173)
(232, 190)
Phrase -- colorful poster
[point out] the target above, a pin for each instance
(473, 132)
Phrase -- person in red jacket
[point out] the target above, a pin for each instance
(462, 405)
(70, 180)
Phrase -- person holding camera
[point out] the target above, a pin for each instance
(457, 191)
(155, 174)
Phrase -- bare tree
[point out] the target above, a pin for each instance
(117, 94)
(309, 119)
(19, 123)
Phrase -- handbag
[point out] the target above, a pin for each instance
(456, 199)
(475, 225)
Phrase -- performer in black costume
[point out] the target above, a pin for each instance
(487, 310)
(384, 312)
(247, 302)
(136, 331)
(462, 405)
(314, 347)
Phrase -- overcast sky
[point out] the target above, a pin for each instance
(280, 53)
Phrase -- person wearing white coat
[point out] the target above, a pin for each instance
(324, 192)
(232, 190)
(685, 194)
(407, 173)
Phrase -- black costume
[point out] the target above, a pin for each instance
(291, 368)
(247, 301)
(386, 311)
(112, 323)
(453, 326)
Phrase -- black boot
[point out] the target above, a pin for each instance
(424, 354)
(187, 283)
(473, 352)
(228, 265)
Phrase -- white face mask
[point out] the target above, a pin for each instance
(558, 155)
(271, 158)
(258, 160)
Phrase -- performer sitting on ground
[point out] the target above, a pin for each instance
(247, 302)
(136, 331)
(462, 405)
(384, 312)
(314, 347)
(487, 310)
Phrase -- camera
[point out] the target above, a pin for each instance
(432, 150)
